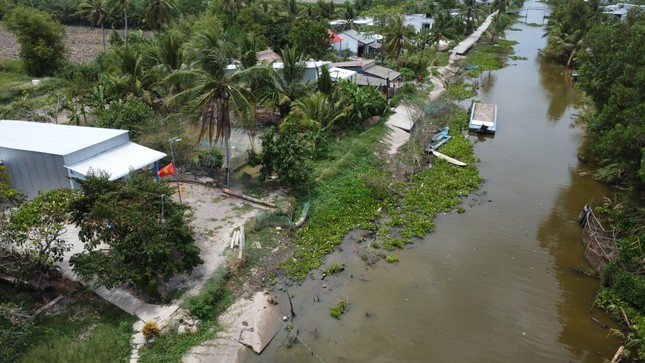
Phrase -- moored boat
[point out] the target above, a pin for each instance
(483, 118)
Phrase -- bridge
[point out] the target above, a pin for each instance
(539, 8)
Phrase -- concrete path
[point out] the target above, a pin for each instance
(465, 44)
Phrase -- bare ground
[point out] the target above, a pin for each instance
(83, 43)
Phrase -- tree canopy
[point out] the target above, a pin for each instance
(41, 39)
(612, 73)
(132, 232)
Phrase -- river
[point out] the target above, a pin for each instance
(499, 283)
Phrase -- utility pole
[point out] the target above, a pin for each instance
(173, 140)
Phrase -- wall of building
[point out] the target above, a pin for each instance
(32, 172)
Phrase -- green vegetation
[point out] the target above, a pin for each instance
(341, 201)
(42, 49)
(132, 216)
(334, 268)
(339, 309)
(85, 329)
(392, 259)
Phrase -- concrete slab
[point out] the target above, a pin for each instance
(402, 118)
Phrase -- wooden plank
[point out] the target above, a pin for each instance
(246, 197)
(49, 305)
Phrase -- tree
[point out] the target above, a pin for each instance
(213, 98)
(284, 153)
(397, 36)
(42, 46)
(131, 114)
(35, 232)
(612, 73)
(129, 76)
(132, 231)
(311, 37)
(282, 87)
(122, 5)
(231, 7)
(158, 13)
(96, 13)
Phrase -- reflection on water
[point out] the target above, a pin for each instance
(556, 80)
(495, 284)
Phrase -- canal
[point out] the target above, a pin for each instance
(499, 283)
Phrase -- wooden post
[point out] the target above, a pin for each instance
(618, 355)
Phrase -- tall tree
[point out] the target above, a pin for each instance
(213, 98)
(311, 37)
(612, 73)
(158, 13)
(96, 13)
(42, 40)
(397, 36)
(132, 231)
(231, 7)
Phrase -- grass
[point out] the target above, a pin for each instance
(80, 328)
(171, 347)
(212, 300)
(341, 200)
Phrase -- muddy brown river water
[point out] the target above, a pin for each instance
(495, 284)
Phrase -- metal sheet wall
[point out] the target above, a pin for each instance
(31, 171)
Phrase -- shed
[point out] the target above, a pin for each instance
(43, 156)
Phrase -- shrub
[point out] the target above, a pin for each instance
(132, 115)
(150, 329)
(337, 311)
(212, 159)
(212, 300)
(42, 46)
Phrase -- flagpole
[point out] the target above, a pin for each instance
(172, 156)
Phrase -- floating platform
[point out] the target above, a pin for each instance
(483, 118)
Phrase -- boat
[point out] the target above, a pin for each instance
(440, 135)
(448, 158)
(483, 118)
(438, 139)
(471, 68)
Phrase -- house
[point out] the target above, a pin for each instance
(43, 156)
(419, 21)
(620, 10)
(312, 69)
(368, 73)
(357, 43)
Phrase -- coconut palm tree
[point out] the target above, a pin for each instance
(129, 76)
(158, 13)
(397, 36)
(231, 7)
(213, 98)
(314, 115)
(279, 88)
(122, 5)
(96, 13)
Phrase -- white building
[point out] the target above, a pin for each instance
(419, 21)
(357, 43)
(43, 156)
(312, 69)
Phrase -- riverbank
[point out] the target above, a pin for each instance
(359, 173)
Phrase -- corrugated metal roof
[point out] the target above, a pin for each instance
(51, 138)
(382, 72)
(118, 161)
(363, 80)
